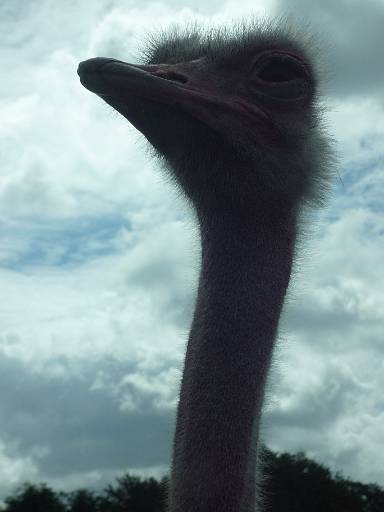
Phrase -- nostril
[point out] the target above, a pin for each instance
(172, 76)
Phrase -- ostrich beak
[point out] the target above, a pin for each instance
(177, 85)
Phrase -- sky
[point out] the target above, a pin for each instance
(99, 255)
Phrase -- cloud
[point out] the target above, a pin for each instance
(66, 419)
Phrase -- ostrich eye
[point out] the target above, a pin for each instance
(280, 68)
(281, 75)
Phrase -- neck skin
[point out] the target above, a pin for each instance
(244, 276)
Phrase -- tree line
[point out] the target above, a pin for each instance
(293, 483)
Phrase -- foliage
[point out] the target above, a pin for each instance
(296, 483)
(34, 498)
(133, 494)
(82, 501)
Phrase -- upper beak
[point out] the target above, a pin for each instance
(117, 80)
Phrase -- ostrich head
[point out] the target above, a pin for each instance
(234, 115)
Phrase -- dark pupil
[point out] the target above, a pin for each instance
(280, 70)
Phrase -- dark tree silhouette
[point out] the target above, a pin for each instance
(82, 500)
(34, 498)
(134, 494)
(296, 483)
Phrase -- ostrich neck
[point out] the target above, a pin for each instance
(244, 276)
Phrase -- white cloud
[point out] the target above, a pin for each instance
(15, 470)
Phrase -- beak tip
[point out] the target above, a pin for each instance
(91, 65)
(90, 74)
(80, 68)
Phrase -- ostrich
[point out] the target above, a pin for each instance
(234, 115)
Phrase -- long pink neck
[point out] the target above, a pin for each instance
(244, 276)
